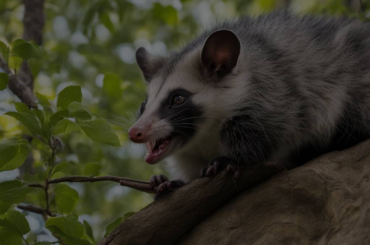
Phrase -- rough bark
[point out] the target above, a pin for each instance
(18, 87)
(167, 219)
(21, 84)
(33, 23)
(326, 201)
(33, 20)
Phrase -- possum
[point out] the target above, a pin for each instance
(276, 89)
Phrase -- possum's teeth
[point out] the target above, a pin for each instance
(149, 146)
(156, 149)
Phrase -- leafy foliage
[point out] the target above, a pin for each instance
(11, 192)
(4, 79)
(68, 95)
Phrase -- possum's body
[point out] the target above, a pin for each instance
(299, 87)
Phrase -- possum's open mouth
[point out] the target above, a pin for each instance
(156, 149)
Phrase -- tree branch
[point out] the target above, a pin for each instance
(33, 20)
(167, 219)
(36, 185)
(20, 89)
(35, 209)
(136, 184)
(33, 23)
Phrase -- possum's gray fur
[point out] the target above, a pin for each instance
(301, 87)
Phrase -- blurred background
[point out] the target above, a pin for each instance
(85, 39)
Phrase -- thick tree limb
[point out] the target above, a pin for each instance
(18, 87)
(167, 219)
(33, 23)
(33, 20)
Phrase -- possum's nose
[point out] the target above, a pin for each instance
(137, 134)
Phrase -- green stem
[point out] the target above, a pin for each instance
(24, 239)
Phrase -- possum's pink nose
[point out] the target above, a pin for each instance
(137, 134)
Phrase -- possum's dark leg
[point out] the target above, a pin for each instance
(220, 163)
(161, 184)
(245, 142)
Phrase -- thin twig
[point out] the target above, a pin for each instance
(35, 209)
(93, 179)
(136, 184)
(144, 187)
(46, 190)
(36, 185)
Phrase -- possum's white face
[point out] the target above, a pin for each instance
(186, 99)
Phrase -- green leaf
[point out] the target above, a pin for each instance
(267, 5)
(68, 229)
(19, 220)
(8, 224)
(4, 80)
(13, 154)
(167, 14)
(26, 50)
(112, 226)
(17, 42)
(69, 95)
(88, 230)
(100, 131)
(4, 50)
(69, 225)
(29, 120)
(66, 198)
(65, 126)
(43, 100)
(90, 14)
(77, 111)
(11, 192)
(8, 150)
(60, 167)
(15, 62)
(9, 236)
(39, 115)
(31, 178)
(35, 66)
(42, 146)
(92, 169)
(43, 243)
(105, 19)
(57, 116)
(127, 215)
(112, 85)
(21, 107)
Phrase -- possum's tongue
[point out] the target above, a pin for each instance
(156, 149)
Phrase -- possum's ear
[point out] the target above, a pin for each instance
(148, 63)
(221, 52)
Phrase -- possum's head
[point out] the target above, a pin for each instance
(185, 94)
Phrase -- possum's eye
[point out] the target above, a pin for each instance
(178, 99)
(142, 107)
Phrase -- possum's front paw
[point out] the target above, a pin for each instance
(161, 184)
(220, 163)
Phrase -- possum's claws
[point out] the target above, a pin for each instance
(156, 180)
(167, 187)
(220, 163)
(234, 170)
(161, 184)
